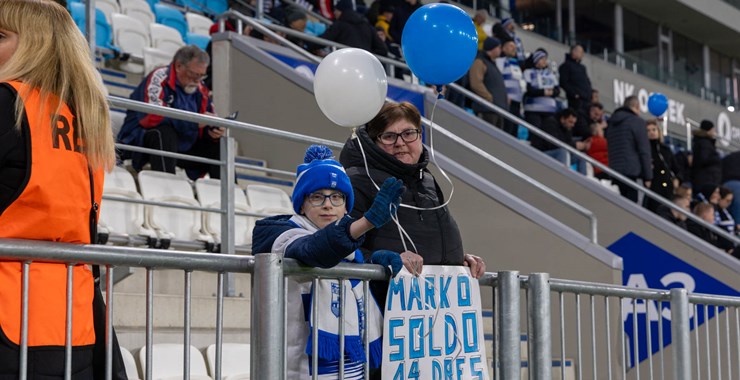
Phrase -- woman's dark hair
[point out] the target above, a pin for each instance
(724, 191)
(391, 113)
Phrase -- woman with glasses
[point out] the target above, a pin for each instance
(390, 146)
(321, 234)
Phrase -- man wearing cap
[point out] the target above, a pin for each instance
(488, 83)
(506, 30)
(706, 168)
(354, 30)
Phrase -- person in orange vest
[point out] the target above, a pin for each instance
(55, 143)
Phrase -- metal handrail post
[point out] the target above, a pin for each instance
(267, 317)
(680, 329)
(509, 356)
(540, 334)
(90, 14)
(228, 223)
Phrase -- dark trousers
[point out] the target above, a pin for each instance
(164, 137)
(627, 191)
(492, 118)
(509, 126)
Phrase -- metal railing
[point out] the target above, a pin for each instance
(270, 272)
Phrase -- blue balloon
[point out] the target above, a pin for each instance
(657, 104)
(439, 43)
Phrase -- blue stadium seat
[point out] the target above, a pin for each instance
(198, 40)
(171, 17)
(197, 5)
(152, 3)
(103, 31)
(217, 6)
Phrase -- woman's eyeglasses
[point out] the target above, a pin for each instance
(318, 199)
(408, 136)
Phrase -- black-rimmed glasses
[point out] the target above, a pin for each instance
(408, 136)
(318, 199)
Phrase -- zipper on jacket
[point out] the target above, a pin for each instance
(93, 210)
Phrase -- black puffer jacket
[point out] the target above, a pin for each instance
(352, 29)
(627, 142)
(435, 233)
(706, 168)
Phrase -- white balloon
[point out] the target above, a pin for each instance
(350, 87)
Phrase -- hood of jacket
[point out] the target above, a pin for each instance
(377, 158)
(267, 229)
(702, 134)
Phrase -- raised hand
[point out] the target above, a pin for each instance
(389, 195)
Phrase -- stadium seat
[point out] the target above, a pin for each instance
(129, 364)
(196, 5)
(103, 32)
(244, 181)
(122, 218)
(234, 361)
(108, 7)
(154, 58)
(199, 40)
(171, 223)
(138, 9)
(168, 362)
(269, 200)
(198, 24)
(171, 17)
(116, 121)
(165, 38)
(217, 6)
(131, 37)
(209, 195)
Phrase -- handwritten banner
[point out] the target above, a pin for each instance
(432, 326)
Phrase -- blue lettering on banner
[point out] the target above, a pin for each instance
(459, 362)
(436, 370)
(429, 292)
(414, 370)
(646, 265)
(463, 291)
(433, 351)
(416, 340)
(475, 369)
(450, 332)
(397, 355)
(400, 372)
(444, 302)
(396, 288)
(448, 369)
(470, 332)
(414, 295)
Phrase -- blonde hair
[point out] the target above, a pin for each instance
(656, 123)
(53, 57)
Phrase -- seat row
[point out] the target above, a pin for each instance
(168, 363)
(123, 218)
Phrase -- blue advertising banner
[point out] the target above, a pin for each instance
(649, 266)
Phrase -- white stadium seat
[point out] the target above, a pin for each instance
(169, 222)
(138, 9)
(168, 363)
(198, 24)
(209, 195)
(234, 361)
(131, 37)
(164, 38)
(122, 218)
(129, 364)
(154, 58)
(116, 121)
(269, 200)
(108, 7)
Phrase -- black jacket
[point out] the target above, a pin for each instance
(664, 169)
(15, 152)
(553, 127)
(731, 167)
(354, 30)
(574, 80)
(435, 233)
(401, 14)
(706, 168)
(628, 146)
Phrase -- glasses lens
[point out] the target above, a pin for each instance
(410, 135)
(316, 199)
(388, 138)
(337, 199)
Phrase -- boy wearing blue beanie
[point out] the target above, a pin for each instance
(322, 234)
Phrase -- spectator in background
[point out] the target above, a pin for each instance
(488, 83)
(595, 98)
(722, 218)
(672, 215)
(596, 114)
(506, 30)
(685, 190)
(731, 180)
(561, 130)
(683, 159)
(598, 149)
(296, 19)
(480, 17)
(384, 20)
(574, 80)
(664, 165)
(705, 211)
(629, 149)
(401, 13)
(542, 89)
(510, 68)
(352, 29)
(706, 167)
(179, 85)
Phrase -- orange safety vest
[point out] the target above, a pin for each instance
(55, 206)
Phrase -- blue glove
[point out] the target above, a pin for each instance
(389, 194)
(388, 259)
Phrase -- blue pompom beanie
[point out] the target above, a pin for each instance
(318, 172)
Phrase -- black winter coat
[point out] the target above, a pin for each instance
(354, 30)
(553, 127)
(574, 80)
(706, 168)
(664, 170)
(628, 146)
(435, 233)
